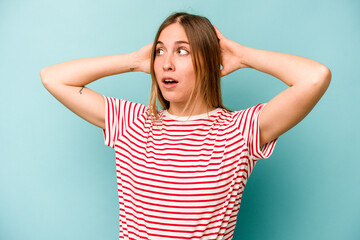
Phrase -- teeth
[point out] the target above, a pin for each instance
(169, 80)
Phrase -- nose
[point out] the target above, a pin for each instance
(168, 64)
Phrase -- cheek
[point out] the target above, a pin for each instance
(189, 71)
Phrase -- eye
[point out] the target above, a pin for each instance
(182, 51)
(159, 51)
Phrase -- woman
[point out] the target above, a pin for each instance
(182, 170)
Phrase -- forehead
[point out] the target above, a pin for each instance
(173, 33)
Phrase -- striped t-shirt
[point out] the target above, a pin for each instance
(184, 177)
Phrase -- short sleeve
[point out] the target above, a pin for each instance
(119, 114)
(247, 122)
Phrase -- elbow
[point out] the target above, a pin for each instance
(326, 74)
(42, 75)
(323, 77)
(44, 78)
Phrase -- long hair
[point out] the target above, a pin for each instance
(206, 58)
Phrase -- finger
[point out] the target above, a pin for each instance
(218, 33)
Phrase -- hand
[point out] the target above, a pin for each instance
(142, 58)
(232, 54)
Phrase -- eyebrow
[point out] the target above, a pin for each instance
(177, 42)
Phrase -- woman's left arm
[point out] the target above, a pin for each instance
(306, 78)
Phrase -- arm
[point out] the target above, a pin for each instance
(66, 81)
(307, 81)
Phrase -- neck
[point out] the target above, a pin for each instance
(177, 109)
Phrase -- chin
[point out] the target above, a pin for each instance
(174, 99)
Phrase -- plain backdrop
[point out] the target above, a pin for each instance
(57, 179)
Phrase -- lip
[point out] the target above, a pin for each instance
(172, 85)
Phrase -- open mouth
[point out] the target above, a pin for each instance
(169, 81)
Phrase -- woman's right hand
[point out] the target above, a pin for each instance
(232, 54)
(143, 57)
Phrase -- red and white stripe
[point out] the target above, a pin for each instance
(184, 178)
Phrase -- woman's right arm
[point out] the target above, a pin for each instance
(66, 81)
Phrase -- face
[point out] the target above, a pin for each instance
(173, 65)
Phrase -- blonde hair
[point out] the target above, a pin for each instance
(206, 58)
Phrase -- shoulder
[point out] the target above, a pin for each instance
(245, 120)
(249, 112)
(124, 107)
(122, 101)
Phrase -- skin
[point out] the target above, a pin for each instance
(307, 80)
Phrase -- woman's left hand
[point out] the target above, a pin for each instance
(232, 54)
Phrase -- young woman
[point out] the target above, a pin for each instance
(181, 170)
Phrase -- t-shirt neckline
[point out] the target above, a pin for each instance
(192, 117)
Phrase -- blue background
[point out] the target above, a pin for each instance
(57, 179)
